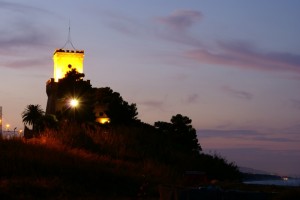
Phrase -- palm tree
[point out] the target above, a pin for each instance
(32, 115)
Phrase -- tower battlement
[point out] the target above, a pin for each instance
(68, 51)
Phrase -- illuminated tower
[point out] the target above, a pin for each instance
(65, 60)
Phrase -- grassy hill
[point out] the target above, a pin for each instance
(47, 170)
(102, 164)
(79, 161)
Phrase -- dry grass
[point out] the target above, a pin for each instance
(103, 164)
(48, 167)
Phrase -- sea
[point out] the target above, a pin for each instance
(291, 182)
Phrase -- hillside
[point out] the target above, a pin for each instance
(47, 171)
(124, 161)
(47, 168)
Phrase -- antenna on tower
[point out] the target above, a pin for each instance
(69, 41)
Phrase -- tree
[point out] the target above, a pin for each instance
(118, 110)
(73, 86)
(102, 100)
(47, 121)
(182, 134)
(32, 115)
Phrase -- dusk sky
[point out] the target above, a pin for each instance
(232, 66)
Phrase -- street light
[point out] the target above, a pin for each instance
(7, 127)
(74, 103)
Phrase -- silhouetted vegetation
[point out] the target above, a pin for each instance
(117, 157)
(32, 115)
(72, 86)
(118, 110)
(182, 134)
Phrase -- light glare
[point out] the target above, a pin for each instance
(74, 103)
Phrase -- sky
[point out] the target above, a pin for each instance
(232, 66)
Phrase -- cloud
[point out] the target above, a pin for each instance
(273, 139)
(241, 54)
(246, 56)
(154, 104)
(125, 25)
(181, 20)
(21, 27)
(176, 25)
(22, 34)
(26, 63)
(21, 8)
(125, 28)
(293, 130)
(241, 134)
(192, 98)
(121, 23)
(29, 37)
(295, 103)
(207, 133)
(237, 93)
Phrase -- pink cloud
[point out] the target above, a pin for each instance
(192, 98)
(176, 25)
(234, 53)
(153, 104)
(243, 134)
(237, 93)
(243, 55)
(26, 63)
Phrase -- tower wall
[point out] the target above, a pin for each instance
(64, 60)
(51, 90)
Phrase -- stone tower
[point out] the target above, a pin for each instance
(64, 60)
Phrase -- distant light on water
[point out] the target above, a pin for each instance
(294, 182)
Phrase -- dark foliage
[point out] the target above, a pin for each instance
(182, 134)
(218, 167)
(48, 121)
(37, 172)
(74, 87)
(112, 104)
(118, 110)
(163, 151)
(32, 115)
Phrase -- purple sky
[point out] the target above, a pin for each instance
(232, 66)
